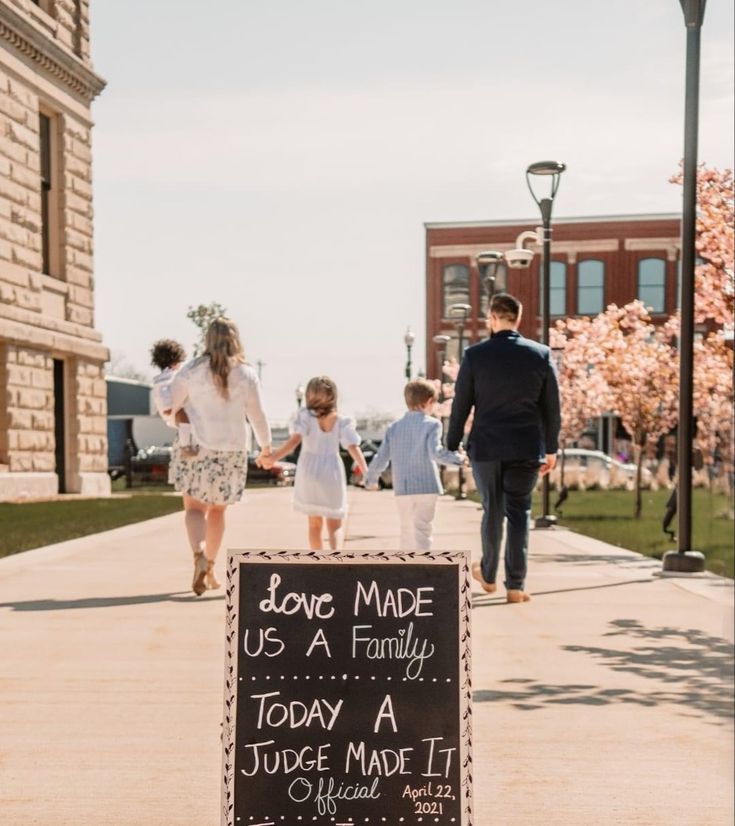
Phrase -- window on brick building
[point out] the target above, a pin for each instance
(558, 288)
(456, 286)
(501, 285)
(590, 287)
(652, 283)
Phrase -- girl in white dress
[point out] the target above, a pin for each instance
(320, 488)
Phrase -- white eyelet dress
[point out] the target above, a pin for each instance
(320, 488)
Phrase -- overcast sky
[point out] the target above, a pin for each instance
(281, 156)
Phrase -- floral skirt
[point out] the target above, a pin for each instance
(216, 477)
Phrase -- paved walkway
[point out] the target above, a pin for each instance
(606, 700)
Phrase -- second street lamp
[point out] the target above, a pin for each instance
(462, 311)
(408, 340)
(552, 171)
(299, 395)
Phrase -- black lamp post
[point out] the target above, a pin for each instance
(551, 170)
(299, 395)
(684, 559)
(408, 340)
(462, 311)
(488, 262)
(442, 342)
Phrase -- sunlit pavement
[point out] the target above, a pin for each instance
(607, 699)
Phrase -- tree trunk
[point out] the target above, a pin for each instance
(638, 453)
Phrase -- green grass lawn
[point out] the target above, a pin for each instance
(34, 524)
(608, 516)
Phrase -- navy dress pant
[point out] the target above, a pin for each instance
(506, 489)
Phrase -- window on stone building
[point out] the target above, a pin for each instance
(49, 194)
(558, 288)
(590, 287)
(501, 285)
(652, 283)
(456, 286)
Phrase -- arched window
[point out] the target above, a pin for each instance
(652, 283)
(456, 286)
(500, 286)
(558, 288)
(590, 287)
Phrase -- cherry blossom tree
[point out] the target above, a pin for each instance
(640, 368)
(714, 286)
(582, 386)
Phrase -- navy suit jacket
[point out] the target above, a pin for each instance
(511, 382)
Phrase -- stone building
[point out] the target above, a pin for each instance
(52, 386)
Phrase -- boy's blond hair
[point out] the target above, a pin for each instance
(419, 392)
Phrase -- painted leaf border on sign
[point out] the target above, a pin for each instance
(234, 557)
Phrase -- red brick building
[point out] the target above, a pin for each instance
(595, 262)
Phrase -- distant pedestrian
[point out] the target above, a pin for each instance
(169, 356)
(220, 394)
(413, 448)
(320, 487)
(512, 385)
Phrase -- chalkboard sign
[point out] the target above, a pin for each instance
(347, 689)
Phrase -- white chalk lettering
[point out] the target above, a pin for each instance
(319, 639)
(286, 761)
(385, 712)
(383, 762)
(269, 636)
(313, 605)
(399, 604)
(403, 647)
(296, 714)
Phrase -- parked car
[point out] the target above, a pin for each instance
(150, 464)
(595, 469)
(282, 473)
(369, 448)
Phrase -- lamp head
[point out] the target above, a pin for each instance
(441, 339)
(464, 309)
(548, 169)
(409, 337)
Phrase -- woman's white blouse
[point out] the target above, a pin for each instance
(219, 422)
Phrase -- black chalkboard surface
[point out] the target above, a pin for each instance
(347, 689)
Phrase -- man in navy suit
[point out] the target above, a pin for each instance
(512, 385)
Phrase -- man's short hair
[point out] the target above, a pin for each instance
(506, 306)
(418, 392)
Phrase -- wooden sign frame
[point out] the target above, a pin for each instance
(459, 559)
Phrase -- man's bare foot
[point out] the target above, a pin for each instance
(488, 587)
(518, 596)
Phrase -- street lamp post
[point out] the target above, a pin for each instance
(299, 395)
(462, 311)
(488, 262)
(552, 170)
(684, 559)
(408, 340)
(442, 342)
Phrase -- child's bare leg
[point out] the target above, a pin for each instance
(315, 533)
(336, 534)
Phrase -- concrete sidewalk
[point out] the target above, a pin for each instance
(607, 699)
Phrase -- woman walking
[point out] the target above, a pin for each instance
(219, 393)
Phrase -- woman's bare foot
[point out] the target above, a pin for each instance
(488, 587)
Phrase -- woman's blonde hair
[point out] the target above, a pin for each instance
(321, 396)
(222, 346)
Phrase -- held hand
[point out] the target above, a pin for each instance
(548, 465)
(265, 460)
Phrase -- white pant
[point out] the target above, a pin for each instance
(416, 513)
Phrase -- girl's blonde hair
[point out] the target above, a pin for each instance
(321, 396)
(222, 346)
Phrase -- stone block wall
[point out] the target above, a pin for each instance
(26, 410)
(66, 21)
(87, 417)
